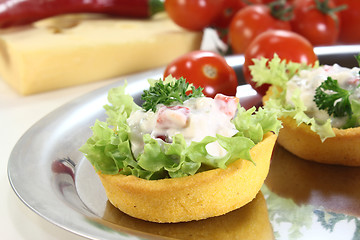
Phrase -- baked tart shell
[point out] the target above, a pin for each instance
(343, 149)
(200, 196)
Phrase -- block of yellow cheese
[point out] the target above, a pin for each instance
(76, 49)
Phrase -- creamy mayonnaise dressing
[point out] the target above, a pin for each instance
(308, 80)
(195, 119)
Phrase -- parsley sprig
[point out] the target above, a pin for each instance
(335, 100)
(169, 92)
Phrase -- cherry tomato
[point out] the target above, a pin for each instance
(228, 10)
(207, 70)
(318, 22)
(193, 15)
(349, 19)
(286, 44)
(249, 22)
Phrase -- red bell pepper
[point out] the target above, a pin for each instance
(15, 12)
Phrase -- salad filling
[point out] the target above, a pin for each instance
(176, 132)
(323, 97)
(307, 81)
(194, 119)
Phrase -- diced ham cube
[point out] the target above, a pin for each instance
(227, 104)
(173, 117)
(354, 81)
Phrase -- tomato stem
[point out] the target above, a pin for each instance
(156, 6)
(281, 10)
(324, 7)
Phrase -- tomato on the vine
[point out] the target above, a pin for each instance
(286, 44)
(316, 20)
(205, 69)
(249, 22)
(193, 15)
(349, 19)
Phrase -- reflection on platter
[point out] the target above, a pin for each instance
(316, 200)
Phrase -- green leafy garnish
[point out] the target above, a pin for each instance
(169, 91)
(331, 97)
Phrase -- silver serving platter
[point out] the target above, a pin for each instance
(53, 178)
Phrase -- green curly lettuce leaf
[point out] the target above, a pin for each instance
(254, 126)
(121, 106)
(296, 110)
(275, 71)
(109, 148)
(278, 72)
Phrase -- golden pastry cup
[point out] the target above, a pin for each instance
(200, 196)
(343, 149)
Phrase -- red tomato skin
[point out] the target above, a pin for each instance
(249, 22)
(286, 44)
(267, 1)
(317, 27)
(222, 77)
(193, 15)
(228, 10)
(349, 21)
